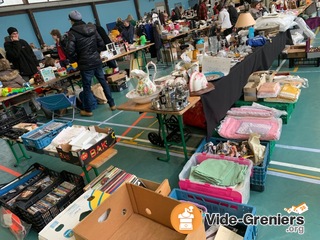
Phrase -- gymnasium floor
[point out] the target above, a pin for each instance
(293, 175)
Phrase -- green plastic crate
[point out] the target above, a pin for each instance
(288, 107)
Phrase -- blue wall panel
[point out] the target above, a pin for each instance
(147, 5)
(48, 20)
(20, 22)
(110, 12)
(184, 3)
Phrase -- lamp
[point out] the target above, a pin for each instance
(245, 20)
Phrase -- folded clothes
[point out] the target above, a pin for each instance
(289, 92)
(219, 172)
(269, 89)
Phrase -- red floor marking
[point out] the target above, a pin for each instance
(143, 115)
(8, 170)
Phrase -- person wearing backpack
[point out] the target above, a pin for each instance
(60, 45)
(84, 47)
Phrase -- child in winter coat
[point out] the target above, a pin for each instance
(9, 77)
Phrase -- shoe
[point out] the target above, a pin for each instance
(113, 108)
(101, 102)
(85, 113)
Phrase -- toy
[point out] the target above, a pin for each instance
(7, 91)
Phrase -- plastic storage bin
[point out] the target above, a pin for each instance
(259, 174)
(10, 190)
(240, 193)
(37, 173)
(215, 205)
(42, 136)
(11, 117)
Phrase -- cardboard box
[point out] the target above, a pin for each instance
(167, 56)
(296, 51)
(117, 76)
(61, 226)
(250, 91)
(84, 156)
(133, 212)
(87, 202)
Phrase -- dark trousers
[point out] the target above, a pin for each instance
(87, 76)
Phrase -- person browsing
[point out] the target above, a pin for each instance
(84, 46)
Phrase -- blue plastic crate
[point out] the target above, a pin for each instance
(257, 184)
(216, 205)
(259, 172)
(42, 136)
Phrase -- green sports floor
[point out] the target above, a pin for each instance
(293, 174)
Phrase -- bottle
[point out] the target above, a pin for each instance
(251, 32)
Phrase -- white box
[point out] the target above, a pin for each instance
(60, 228)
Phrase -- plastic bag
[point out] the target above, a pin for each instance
(257, 41)
(17, 227)
(257, 148)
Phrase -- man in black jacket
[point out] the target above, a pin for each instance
(84, 45)
(20, 54)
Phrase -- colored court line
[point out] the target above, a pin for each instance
(315, 150)
(132, 140)
(297, 166)
(294, 173)
(128, 140)
(132, 125)
(8, 170)
(293, 177)
(150, 149)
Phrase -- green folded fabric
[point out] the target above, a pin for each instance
(219, 172)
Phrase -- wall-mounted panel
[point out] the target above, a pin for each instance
(20, 22)
(111, 11)
(58, 19)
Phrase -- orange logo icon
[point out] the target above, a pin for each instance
(186, 218)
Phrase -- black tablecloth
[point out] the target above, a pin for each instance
(229, 88)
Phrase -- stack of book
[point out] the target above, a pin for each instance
(112, 178)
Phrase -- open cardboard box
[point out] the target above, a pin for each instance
(61, 226)
(133, 212)
(83, 156)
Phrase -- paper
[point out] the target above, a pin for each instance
(216, 64)
(224, 233)
(47, 74)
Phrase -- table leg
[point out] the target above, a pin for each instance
(164, 135)
(86, 173)
(11, 143)
(183, 141)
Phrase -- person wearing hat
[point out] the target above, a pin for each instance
(20, 54)
(84, 46)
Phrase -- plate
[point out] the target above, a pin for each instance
(213, 76)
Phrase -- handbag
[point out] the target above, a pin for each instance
(257, 41)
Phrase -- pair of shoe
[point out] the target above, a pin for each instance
(113, 108)
(85, 113)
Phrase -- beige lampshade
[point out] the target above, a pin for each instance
(245, 20)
